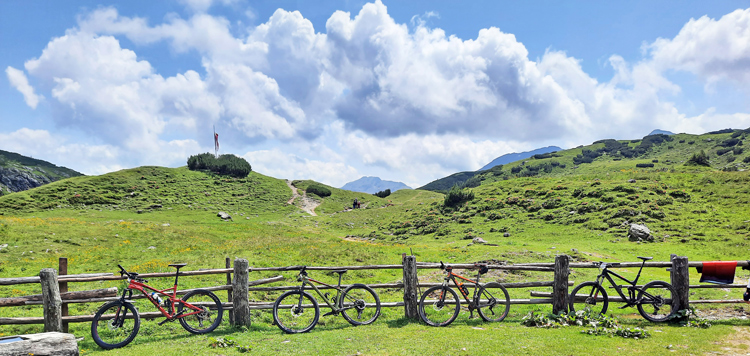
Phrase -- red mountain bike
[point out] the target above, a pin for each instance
(117, 323)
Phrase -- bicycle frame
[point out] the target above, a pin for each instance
(452, 277)
(169, 314)
(606, 273)
(306, 281)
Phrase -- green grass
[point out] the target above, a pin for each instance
(99, 222)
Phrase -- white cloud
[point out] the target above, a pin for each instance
(368, 93)
(19, 81)
(712, 49)
(279, 164)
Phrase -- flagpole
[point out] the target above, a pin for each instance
(216, 151)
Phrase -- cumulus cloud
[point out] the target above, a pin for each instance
(367, 90)
(712, 49)
(279, 164)
(19, 81)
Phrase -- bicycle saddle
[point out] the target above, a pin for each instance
(646, 258)
(178, 265)
(340, 271)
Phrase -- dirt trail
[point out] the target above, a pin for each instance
(308, 204)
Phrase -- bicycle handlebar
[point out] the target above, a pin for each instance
(131, 275)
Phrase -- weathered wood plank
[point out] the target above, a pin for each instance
(51, 299)
(49, 343)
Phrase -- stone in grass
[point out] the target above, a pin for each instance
(507, 234)
(639, 233)
(478, 240)
(224, 216)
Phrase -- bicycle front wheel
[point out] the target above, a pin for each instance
(493, 302)
(115, 324)
(360, 304)
(656, 301)
(589, 296)
(296, 312)
(439, 306)
(209, 311)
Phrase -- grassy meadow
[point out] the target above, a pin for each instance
(148, 217)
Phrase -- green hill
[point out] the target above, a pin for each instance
(18, 172)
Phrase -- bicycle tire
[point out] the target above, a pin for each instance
(439, 312)
(111, 327)
(360, 301)
(211, 306)
(292, 302)
(490, 296)
(662, 301)
(593, 303)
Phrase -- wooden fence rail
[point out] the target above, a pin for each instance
(239, 305)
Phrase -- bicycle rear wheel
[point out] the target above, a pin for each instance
(588, 296)
(361, 305)
(296, 312)
(115, 324)
(208, 318)
(439, 306)
(493, 302)
(657, 301)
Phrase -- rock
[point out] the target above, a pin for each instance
(224, 215)
(478, 240)
(631, 180)
(152, 247)
(507, 234)
(3, 246)
(493, 230)
(574, 250)
(165, 225)
(155, 206)
(639, 233)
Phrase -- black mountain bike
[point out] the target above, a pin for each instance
(297, 311)
(439, 306)
(654, 300)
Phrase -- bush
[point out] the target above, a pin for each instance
(318, 190)
(382, 193)
(457, 196)
(723, 151)
(644, 165)
(698, 159)
(746, 159)
(228, 164)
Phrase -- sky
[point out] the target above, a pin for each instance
(408, 91)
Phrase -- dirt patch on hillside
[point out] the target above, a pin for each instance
(306, 203)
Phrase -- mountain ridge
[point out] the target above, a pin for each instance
(19, 172)
(373, 185)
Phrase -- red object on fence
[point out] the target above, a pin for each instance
(719, 272)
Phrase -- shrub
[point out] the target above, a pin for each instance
(746, 159)
(730, 142)
(644, 165)
(228, 164)
(457, 196)
(318, 190)
(737, 151)
(723, 151)
(383, 193)
(698, 159)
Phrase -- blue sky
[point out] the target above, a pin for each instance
(408, 91)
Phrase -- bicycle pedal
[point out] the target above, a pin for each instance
(625, 306)
(165, 321)
(330, 313)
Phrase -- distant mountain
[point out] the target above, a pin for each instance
(512, 157)
(18, 172)
(373, 185)
(662, 132)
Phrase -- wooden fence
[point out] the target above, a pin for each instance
(55, 297)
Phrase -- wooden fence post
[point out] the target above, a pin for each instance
(680, 275)
(560, 286)
(411, 283)
(51, 300)
(63, 268)
(240, 300)
(230, 312)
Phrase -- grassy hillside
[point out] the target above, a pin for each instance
(14, 165)
(147, 217)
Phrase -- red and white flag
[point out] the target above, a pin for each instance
(216, 141)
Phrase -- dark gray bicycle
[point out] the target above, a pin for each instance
(654, 300)
(297, 311)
